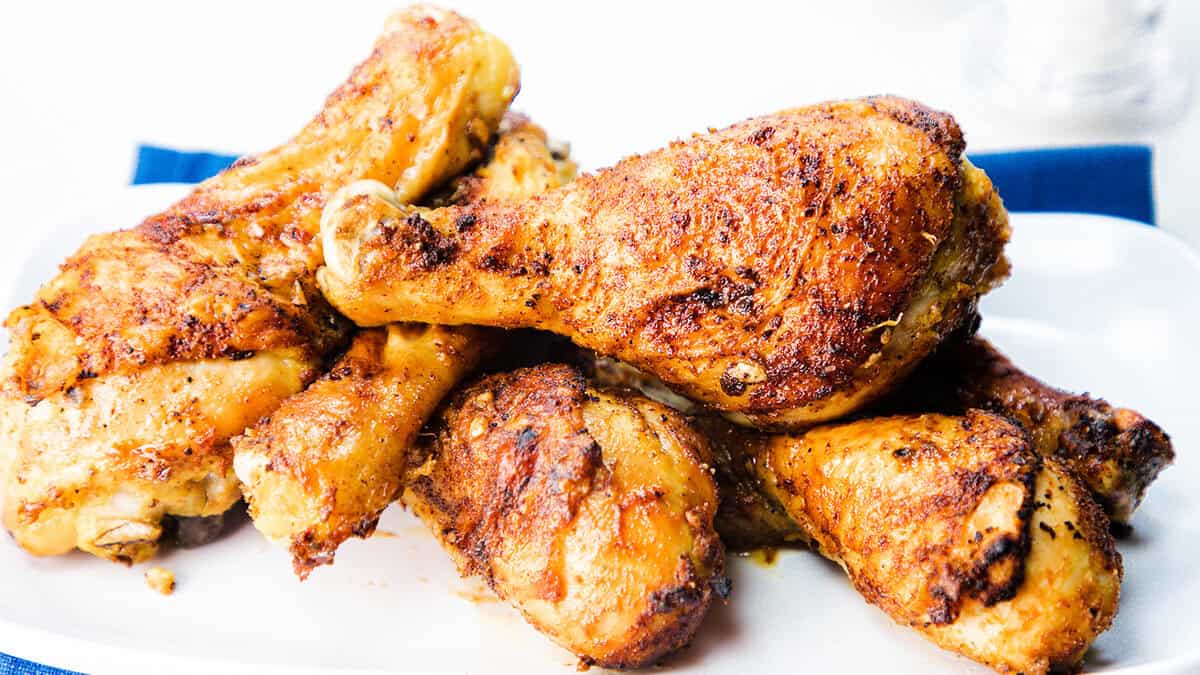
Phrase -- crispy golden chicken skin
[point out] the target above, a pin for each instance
(327, 463)
(590, 510)
(787, 269)
(952, 525)
(153, 346)
(1116, 451)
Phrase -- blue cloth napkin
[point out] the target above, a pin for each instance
(11, 665)
(164, 165)
(1113, 180)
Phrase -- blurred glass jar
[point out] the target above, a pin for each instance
(1097, 61)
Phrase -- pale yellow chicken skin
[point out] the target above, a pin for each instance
(788, 269)
(590, 510)
(951, 525)
(127, 376)
(327, 463)
(99, 468)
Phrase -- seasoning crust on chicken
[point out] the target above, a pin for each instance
(327, 463)
(951, 525)
(1117, 452)
(590, 510)
(788, 269)
(134, 366)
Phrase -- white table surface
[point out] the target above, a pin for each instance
(82, 83)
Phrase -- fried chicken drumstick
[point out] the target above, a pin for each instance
(951, 525)
(327, 463)
(589, 510)
(787, 270)
(133, 367)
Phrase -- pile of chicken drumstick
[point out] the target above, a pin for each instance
(766, 336)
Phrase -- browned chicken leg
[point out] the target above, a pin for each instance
(951, 525)
(1116, 451)
(788, 269)
(134, 366)
(327, 463)
(590, 510)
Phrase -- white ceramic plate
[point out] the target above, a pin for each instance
(1094, 304)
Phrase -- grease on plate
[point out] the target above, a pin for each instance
(766, 556)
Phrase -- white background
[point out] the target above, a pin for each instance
(82, 83)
